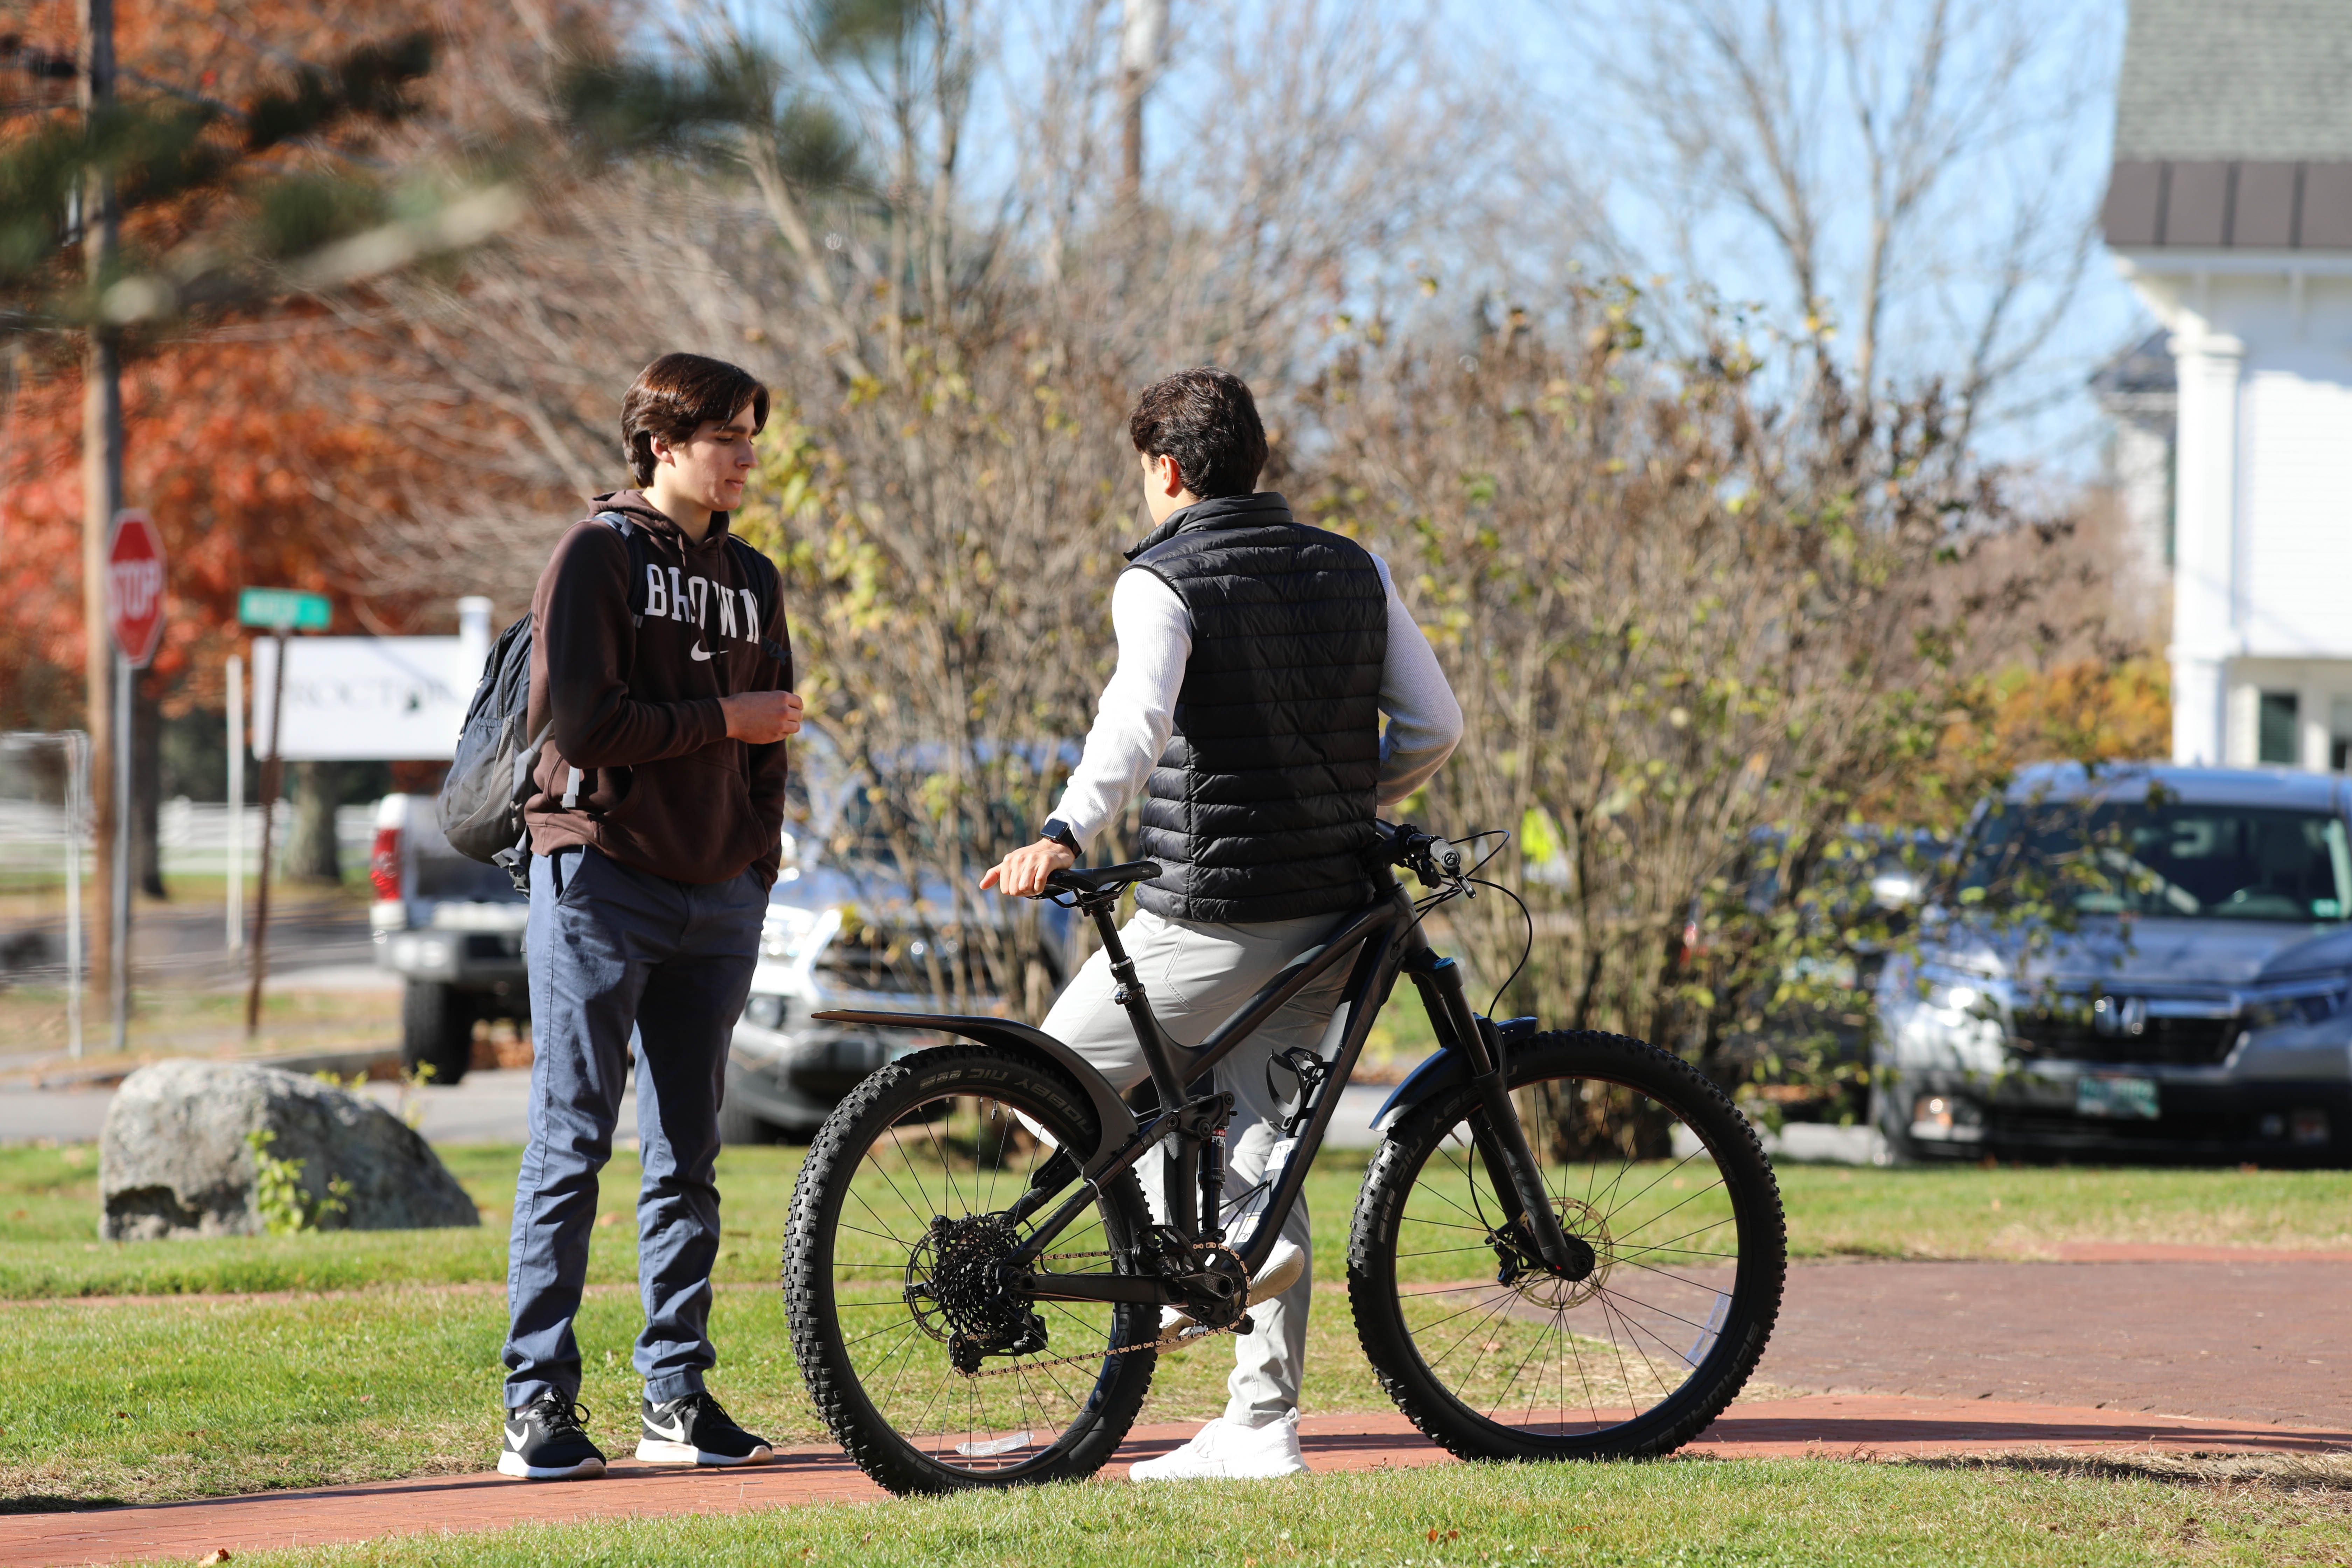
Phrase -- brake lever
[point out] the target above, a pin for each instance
(1438, 871)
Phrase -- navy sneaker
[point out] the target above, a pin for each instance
(694, 1430)
(547, 1440)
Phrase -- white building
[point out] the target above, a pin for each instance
(2229, 210)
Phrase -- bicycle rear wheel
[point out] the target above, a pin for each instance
(892, 1273)
(1496, 1356)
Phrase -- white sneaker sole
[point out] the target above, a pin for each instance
(511, 1464)
(654, 1452)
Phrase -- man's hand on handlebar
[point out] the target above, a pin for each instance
(1023, 873)
(1427, 855)
(761, 717)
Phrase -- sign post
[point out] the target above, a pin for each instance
(279, 610)
(135, 617)
(234, 906)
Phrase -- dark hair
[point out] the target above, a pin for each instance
(1206, 419)
(678, 394)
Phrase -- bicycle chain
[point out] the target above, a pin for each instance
(1195, 1336)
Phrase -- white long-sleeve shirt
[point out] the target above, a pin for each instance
(1137, 713)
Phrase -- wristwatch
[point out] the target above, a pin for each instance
(1059, 832)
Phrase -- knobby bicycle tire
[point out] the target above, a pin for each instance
(1418, 1218)
(847, 1225)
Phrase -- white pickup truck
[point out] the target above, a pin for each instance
(452, 928)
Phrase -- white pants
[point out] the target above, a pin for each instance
(1196, 975)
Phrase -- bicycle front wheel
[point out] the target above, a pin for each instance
(932, 1372)
(1494, 1354)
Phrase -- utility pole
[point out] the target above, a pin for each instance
(102, 483)
(1142, 47)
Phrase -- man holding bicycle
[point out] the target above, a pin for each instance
(1257, 655)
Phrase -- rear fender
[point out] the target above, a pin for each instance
(1111, 1114)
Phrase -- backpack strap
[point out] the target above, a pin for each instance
(526, 760)
(640, 558)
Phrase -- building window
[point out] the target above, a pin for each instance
(2339, 735)
(2279, 739)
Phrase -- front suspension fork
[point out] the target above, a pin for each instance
(1495, 1129)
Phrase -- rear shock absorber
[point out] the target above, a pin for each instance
(1212, 1177)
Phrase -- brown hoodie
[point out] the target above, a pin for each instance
(635, 708)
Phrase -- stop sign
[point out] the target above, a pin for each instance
(134, 587)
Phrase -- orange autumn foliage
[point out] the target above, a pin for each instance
(230, 469)
(255, 474)
(2090, 711)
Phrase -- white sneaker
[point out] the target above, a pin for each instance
(1282, 1267)
(1224, 1451)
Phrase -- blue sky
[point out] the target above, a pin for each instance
(1547, 63)
(1558, 45)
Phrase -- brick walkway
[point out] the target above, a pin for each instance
(1825, 1425)
(2239, 1337)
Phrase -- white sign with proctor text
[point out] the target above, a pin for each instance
(366, 698)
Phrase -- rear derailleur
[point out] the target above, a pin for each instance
(963, 1289)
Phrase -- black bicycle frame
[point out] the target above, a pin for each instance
(1385, 940)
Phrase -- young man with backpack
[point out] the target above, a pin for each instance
(660, 673)
(1256, 656)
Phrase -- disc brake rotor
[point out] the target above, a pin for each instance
(1524, 1272)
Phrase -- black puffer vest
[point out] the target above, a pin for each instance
(1262, 807)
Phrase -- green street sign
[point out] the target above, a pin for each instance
(282, 609)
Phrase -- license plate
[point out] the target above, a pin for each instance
(2127, 1098)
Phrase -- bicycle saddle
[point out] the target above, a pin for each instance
(1091, 882)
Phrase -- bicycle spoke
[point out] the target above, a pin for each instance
(938, 1170)
(1525, 1347)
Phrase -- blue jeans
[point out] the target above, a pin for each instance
(612, 950)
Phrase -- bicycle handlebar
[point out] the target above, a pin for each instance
(1433, 858)
(1428, 855)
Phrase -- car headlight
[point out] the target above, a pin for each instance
(2308, 1002)
(765, 1009)
(1962, 994)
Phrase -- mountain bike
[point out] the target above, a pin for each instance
(1569, 1244)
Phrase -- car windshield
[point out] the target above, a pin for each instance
(2163, 860)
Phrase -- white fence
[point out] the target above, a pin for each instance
(192, 835)
(192, 838)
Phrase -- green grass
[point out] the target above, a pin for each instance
(1683, 1513)
(2026, 1212)
(374, 1354)
(48, 1219)
(147, 1401)
(377, 1356)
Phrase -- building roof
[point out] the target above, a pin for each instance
(2233, 127)
(2236, 80)
(2206, 206)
